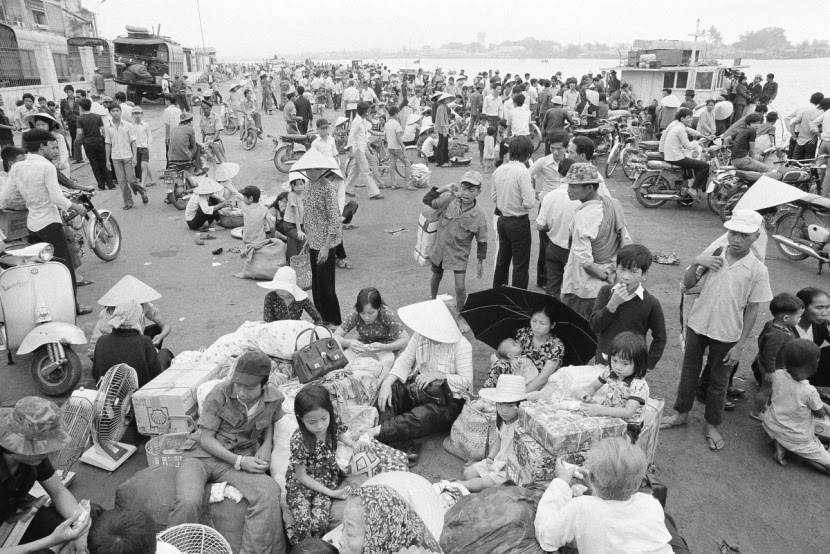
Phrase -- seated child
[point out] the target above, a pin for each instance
(794, 404)
(786, 310)
(233, 444)
(429, 145)
(257, 219)
(627, 391)
(313, 477)
(510, 361)
(627, 306)
(492, 471)
(614, 517)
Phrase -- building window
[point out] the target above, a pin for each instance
(703, 80)
(668, 79)
(682, 79)
(28, 63)
(62, 67)
(38, 11)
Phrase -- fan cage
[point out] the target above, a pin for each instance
(77, 419)
(114, 404)
(194, 538)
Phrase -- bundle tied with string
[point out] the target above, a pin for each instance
(562, 431)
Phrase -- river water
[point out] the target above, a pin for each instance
(797, 79)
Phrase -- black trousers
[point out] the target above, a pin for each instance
(541, 269)
(322, 286)
(73, 133)
(201, 217)
(54, 234)
(556, 259)
(805, 151)
(700, 169)
(442, 151)
(97, 156)
(514, 246)
(302, 125)
(405, 420)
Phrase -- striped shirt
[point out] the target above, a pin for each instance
(454, 360)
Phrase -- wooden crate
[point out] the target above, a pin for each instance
(13, 224)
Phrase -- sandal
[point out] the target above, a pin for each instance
(715, 445)
(83, 283)
(757, 416)
(209, 237)
(671, 424)
(127, 208)
(83, 309)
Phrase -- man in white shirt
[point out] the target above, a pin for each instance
(394, 145)
(121, 149)
(359, 143)
(172, 116)
(493, 108)
(821, 125)
(35, 179)
(351, 96)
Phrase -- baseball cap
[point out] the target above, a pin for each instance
(744, 221)
(106, 99)
(472, 178)
(33, 427)
(250, 368)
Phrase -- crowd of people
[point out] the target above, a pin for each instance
(587, 260)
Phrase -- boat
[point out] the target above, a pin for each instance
(545, 60)
(654, 65)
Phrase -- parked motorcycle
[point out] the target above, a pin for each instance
(601, 135)
(101, 230)
(38, 308)
(290, 148)
(804, 231)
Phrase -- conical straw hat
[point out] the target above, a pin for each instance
(129, 288)
(431, 319)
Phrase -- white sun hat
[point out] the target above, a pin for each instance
(670, 101)
(206, 185)
(431, 319)
(129, 288)
(226, 171)
(592, 96)
(745, 221)
(557, 100)
(509, 388)
(285, 279)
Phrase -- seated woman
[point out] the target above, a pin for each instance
(539, 344)
(204, 204)
(126, 345)
(614, 517)
(286, 300)
(378, 520)
(130, 288)
(814, 326)
(423, 393)
(379, 331)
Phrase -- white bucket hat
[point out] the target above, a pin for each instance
(745, 221)
(431, 319)
(285, 279)
(509, 388)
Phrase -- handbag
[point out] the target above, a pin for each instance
(318, 357)
(301, 264)
(437, 393)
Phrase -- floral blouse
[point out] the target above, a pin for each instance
(385, 329)
(553, 350)
(322, 215)
(276, 310)
(319, 463)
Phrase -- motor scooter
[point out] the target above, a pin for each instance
(804, 230)
(38, 309)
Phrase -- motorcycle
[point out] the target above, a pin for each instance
(290, 148)
(601, 135)
(101, 229)
(250, 133)
(805, 232)
(662, 181)
(38, 308)
(623, 138)
(230, 121)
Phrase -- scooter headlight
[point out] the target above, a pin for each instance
(46, 253)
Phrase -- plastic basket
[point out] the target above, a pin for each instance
(167, 448)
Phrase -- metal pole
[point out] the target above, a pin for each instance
(199, 9)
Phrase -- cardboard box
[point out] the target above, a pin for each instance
(13, 224)
(652, 415)
(171, 393)
(561, 431)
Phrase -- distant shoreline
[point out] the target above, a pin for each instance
(368, 56)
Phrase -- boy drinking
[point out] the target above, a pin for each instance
(459, 220)
(233, 444)
(627, 306)
(786, 310)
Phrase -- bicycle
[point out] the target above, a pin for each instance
(230, 121)
(378, 156)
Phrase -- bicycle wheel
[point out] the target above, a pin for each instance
(249, 139)
(632, 162)
(612, 161)
(106, 238)
(231, 126)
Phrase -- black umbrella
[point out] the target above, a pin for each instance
(495, 314)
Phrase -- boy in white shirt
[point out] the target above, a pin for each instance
(428, 148)
(394, 144)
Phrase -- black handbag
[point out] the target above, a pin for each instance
(437, 393)
(319, 357)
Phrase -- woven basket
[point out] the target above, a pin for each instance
(473, 433)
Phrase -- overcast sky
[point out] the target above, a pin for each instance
(253, 29)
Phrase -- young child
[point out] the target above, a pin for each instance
(627, 391)
(786, 310)
(627, 306)
(257, 220)
(313, 477)
(490, 150)
(294, 214)
(794, 404)
(481, 134)
(492, 471)
(460, 219)
(509, 361)
(614, 517)
(429, 145)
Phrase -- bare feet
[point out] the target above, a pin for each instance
(779, 454)
(674, 421)
(714, 439)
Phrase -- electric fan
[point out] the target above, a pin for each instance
(193, 538)
(111, 415)
(77, 419)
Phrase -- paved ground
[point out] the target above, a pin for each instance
(740, 494)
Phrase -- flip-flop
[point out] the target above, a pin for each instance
(713, 444)
(667, 425)
(756, 417)
(84, 283)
